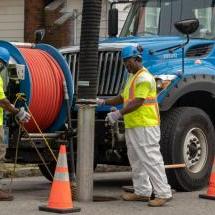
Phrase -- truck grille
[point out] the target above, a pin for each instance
(110, 71)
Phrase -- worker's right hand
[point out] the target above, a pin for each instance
(23, 116)
(100, 101)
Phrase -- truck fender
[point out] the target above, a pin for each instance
(187, 85)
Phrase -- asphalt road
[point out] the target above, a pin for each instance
(32, 192)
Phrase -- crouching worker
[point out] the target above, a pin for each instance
(20, 114)
(142, 131)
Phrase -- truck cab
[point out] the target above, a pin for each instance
(157, 18)
(184, 69)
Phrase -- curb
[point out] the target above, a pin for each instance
(6, 170)
(28, 170)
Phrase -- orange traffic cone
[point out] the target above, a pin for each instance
(60, 198)
(211, 189)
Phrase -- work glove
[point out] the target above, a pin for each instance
(113, 117)
(100, 101)
(23, 115)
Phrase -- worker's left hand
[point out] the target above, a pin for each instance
(113, 117)
(23, 116)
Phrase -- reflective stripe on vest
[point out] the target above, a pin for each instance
(149, 101)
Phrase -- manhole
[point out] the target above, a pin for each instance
(104, 198)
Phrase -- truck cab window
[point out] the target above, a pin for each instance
(143, 19)
(204, 15)
(148, 21)
(156, 17)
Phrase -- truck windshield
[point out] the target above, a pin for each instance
(157, 17)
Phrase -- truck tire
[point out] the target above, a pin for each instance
(45, 172)
(187, 136)
(52, 167)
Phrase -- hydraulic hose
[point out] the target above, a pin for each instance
(88, 75)
(47, 92)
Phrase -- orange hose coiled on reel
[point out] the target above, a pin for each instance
(46, 88)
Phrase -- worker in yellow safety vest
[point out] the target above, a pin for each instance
(142, 131)
(21, 115)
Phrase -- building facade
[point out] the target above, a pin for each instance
(12, 20)
(61, 20)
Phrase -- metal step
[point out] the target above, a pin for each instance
(39, 136)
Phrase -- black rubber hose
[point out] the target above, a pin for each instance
(88, 75)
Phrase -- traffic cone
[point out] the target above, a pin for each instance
(211, 189)
(60, 198)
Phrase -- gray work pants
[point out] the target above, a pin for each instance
(146, 161)
(2, 153)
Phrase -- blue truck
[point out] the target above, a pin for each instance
(182, 62)
(184, 68)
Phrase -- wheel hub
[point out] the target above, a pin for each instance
(195, 149)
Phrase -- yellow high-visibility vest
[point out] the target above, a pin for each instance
(141, 85)
(2, 96)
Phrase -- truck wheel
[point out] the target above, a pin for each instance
(52, 167)
(187, 136)
(45, 172)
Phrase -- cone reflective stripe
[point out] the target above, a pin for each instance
(60, 198)
(61, 172)
(211, 189)
(60, 176)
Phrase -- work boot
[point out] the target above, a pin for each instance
(5, 196)
(158, 202)
(126, 196)
(130, 189)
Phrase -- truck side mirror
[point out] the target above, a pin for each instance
(187, 26)
(113, 22)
